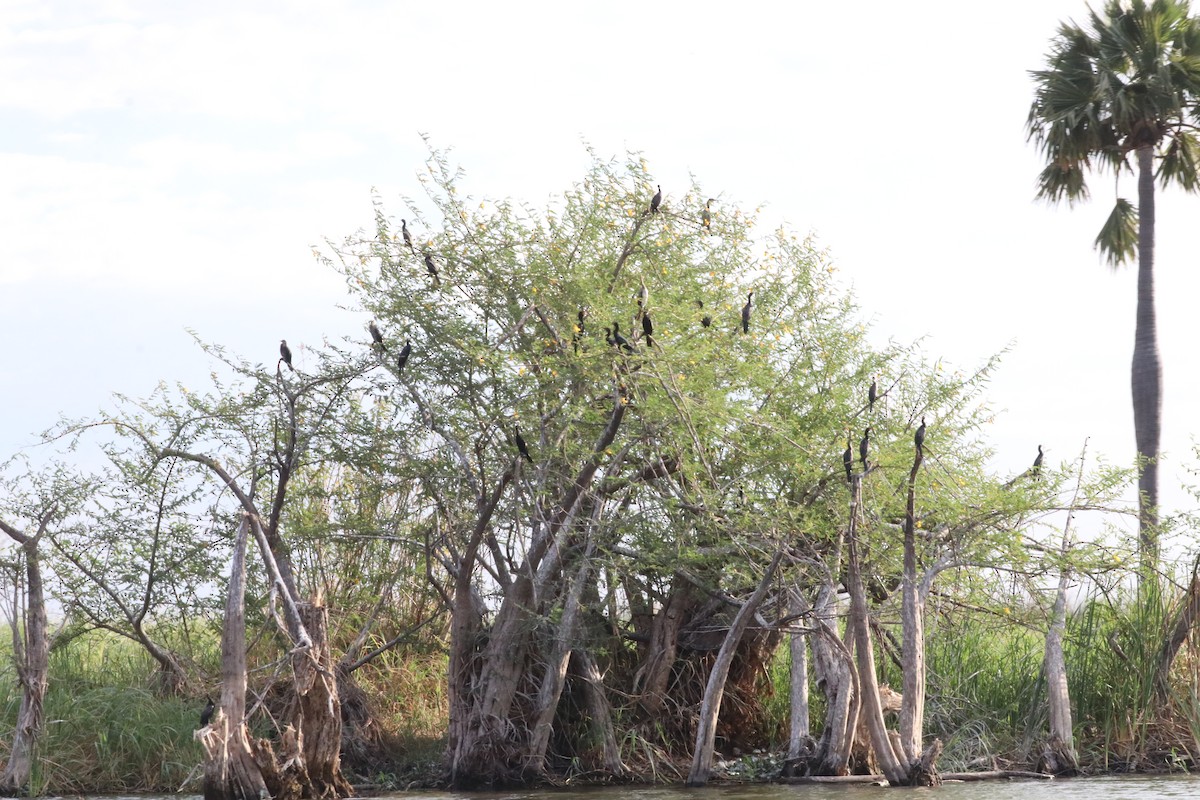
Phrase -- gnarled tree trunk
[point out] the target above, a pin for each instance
(318, 715)
(799, 734)
(834, 668)
(31, 654)
(230, 769)
(715, 689)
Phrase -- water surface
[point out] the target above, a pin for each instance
(1134, 787)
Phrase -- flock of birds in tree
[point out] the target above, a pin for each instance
(864, 444)
(615, 339)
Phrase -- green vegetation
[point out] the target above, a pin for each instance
(501, 615)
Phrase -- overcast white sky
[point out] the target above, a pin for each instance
(167, 166)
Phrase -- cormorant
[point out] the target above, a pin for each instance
(432, 270)
(1037, 464)
(706, 320)
(403, 359)
(648, 328)
(656, 201)
(619, 340)
(285, 353)
(863, 445)
(407, 236)
(848, 458)
(207, 713)
(746, 312)
(919, 437)
(376, 336)
(706, 217)
(872, 394)
(521, 446)
(578, 332)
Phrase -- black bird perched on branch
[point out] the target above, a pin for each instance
(919, 437)
(863, 446)
(376, 336)
(872, 393)
(848, 459)
(432, 270)
(207, 713)
(648, 328)
(619, 340)
(706, 216)
(656, 201)
(403, 358)
(1036, 469)
(407, 236)
(578, 332)
(285, 353)
(746, 312)
(522, 448)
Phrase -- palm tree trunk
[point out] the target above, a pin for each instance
(1147, 369)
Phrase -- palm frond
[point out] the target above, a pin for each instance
(1179, 162)
(1117, 240)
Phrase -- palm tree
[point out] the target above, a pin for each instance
(1128, 83)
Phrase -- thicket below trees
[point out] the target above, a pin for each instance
(593, 469)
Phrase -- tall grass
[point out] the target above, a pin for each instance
(986, 691)
(106, 730)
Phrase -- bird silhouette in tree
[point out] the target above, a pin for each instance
(207, 714)
(522, 448)
(376, 336)
(431, 268)
(402, 359)
(848, 459)
(407, 236)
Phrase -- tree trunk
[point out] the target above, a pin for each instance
(32, 657)
(230, 769)
(318, 713)
(555, 675)
(912, 707)
(836, 677)
(1059, 756)
(488, 734)
(601, 715)
(710, 708)
(889, 761)
(654, 675)
(799, 733)
(1147, 370)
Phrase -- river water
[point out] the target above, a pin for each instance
(1140, 787)
(1136, 787)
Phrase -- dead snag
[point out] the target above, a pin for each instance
(231, 771)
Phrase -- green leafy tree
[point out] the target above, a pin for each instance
(1125, 86)
(658, 480)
